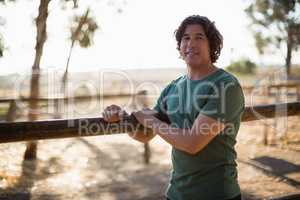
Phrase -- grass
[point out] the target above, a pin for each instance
(245, 79)
(3, 111)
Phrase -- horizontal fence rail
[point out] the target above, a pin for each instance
(260, 112)
(79, 97)
(87, 97)
(277, 86)
(67, 128)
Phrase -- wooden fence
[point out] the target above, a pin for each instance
(54, 129)
(140, 98)
(273, 93)
(81, 127)
(251, 113)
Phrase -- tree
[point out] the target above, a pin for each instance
(1, 38)
(41, 29)
(1, 46)
(82, 31)
(2, 22)
(276, 22)
(242, 66)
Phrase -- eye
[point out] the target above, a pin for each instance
(186, 38)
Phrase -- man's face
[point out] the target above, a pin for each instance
(194, 46)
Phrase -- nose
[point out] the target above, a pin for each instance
(191, 43)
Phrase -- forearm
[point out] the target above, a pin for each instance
(142, 136)
(192, 140)
(187, 140)
(181, 139)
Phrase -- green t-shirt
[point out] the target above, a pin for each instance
(211, 173)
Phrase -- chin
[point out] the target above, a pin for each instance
(194, 65)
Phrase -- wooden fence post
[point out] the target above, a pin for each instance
(12, 111)
(266, 94)
(141, 99)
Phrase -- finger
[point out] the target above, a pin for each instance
(148, 111)
(113, 112)
(121, 114)
(136, 115)
(107, 109)
(115, 107)
(109, 114)
(104, 116)
(110, 107)
(139, 113)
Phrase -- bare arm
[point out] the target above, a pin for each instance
(142, 136)
(191, 140)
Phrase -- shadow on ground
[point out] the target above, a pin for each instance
(113, 170)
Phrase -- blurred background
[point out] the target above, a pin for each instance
(71, 58)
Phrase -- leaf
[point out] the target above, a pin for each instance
(260, 42)
(83, 29)
(64, 2)
(272, 20)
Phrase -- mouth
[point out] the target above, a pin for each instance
(191, 53)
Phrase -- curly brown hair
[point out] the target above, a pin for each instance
(215, 39)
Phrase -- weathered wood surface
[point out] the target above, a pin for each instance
(54, 129)
(261, 112)
(62, 128)
(77, 98)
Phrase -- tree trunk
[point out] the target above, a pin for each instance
(289, 54)
(69, 57)
(65, 76)
(74, 37)
(31, 147)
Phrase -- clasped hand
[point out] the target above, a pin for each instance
(114, 113)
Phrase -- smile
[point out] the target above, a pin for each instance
(191, 53)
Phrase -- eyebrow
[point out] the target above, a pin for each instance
(198, 34)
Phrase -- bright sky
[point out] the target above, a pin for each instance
(140, 37)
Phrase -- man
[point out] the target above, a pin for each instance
(204, 108)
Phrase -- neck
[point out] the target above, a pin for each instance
(199, 72)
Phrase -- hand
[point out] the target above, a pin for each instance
(113, 113)
(145, 117)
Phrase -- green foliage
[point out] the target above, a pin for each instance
(274, 22)
(75, 3)
(1, 46)
(6, 1)
(83, 29)
(243, 66)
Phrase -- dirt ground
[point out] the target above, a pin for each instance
(112, 167)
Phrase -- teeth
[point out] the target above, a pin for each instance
(190, 53)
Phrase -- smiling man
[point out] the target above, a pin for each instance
(204, 108)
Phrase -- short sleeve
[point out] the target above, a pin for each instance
(161, 106)
(225, 103)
